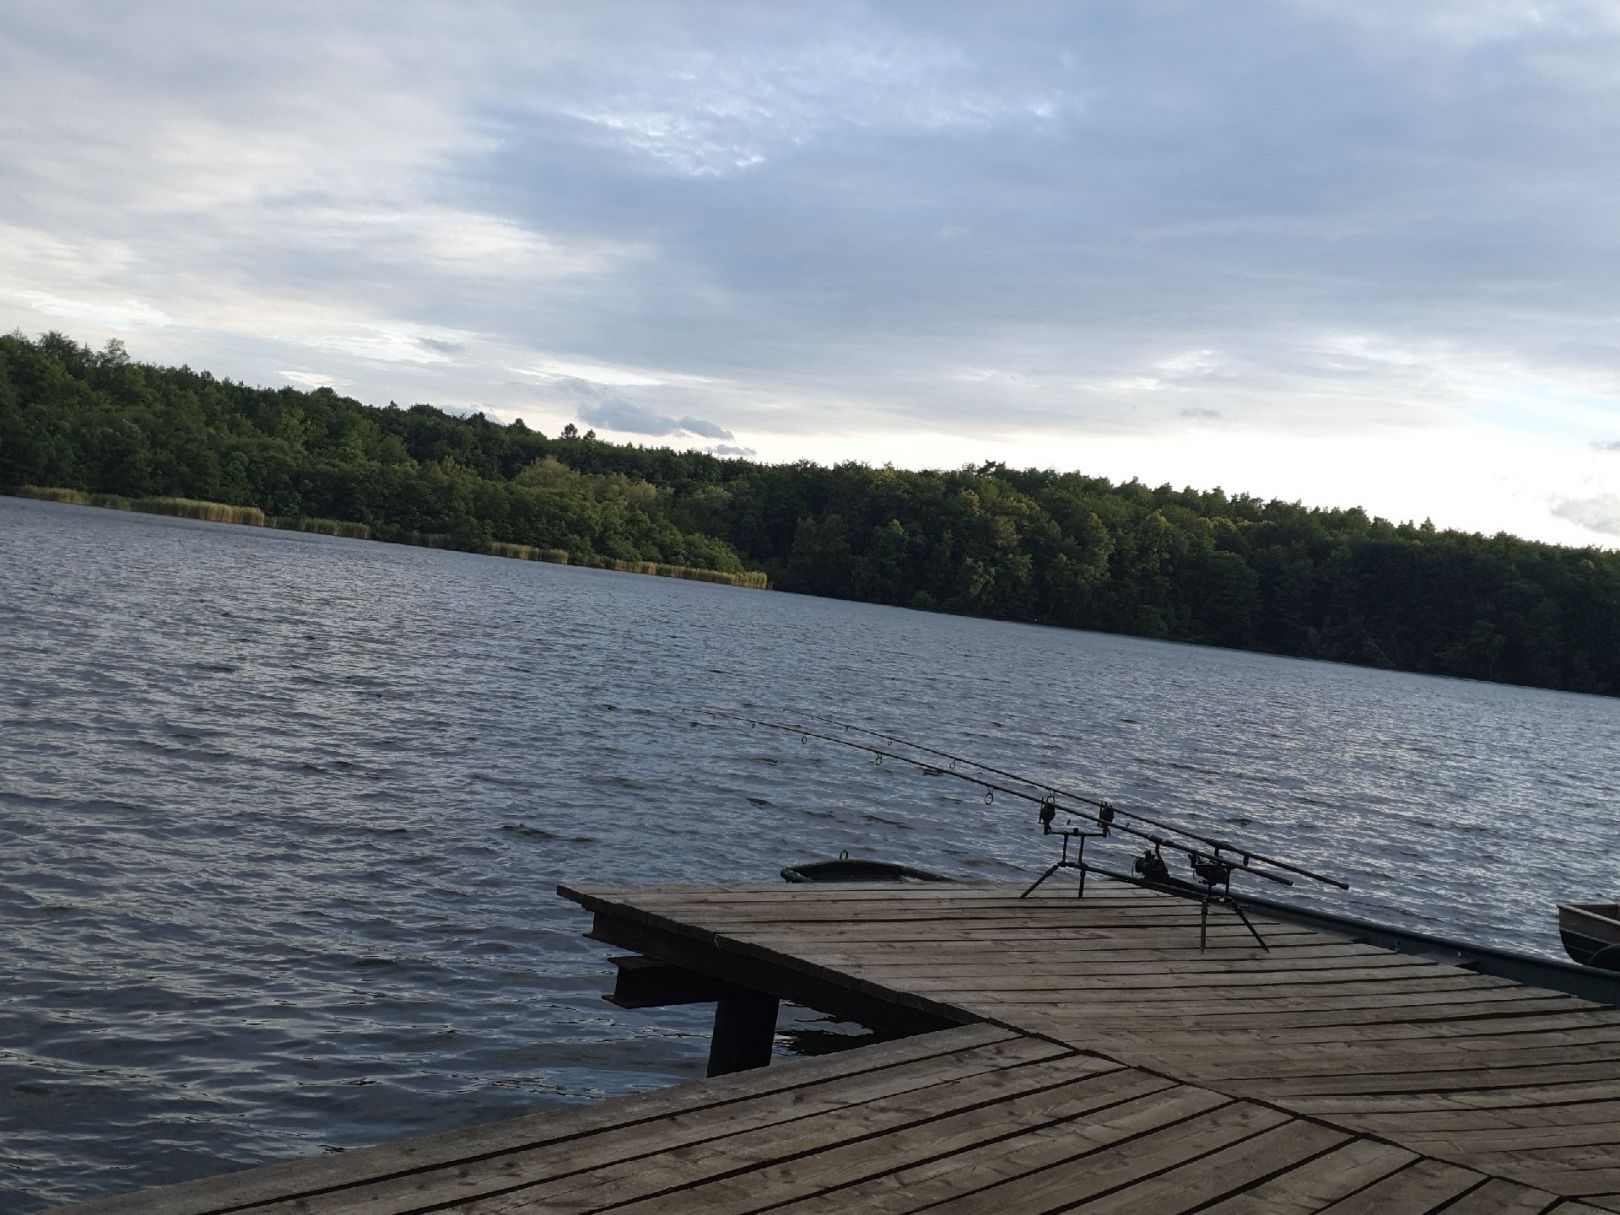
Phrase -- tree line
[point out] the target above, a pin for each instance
(1030, 545)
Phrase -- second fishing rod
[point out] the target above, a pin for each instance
(1103, 815)
(1210, 841)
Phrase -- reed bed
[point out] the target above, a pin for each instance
(54, 493)
(658, 569)
(321, 527)
(749, 578)
(425, 539)
(528, 552)
(192, 508)
(181, 508)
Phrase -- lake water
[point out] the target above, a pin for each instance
(282, 816)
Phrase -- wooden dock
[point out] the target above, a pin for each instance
(1066, 1055)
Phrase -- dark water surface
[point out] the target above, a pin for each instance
(281, 816)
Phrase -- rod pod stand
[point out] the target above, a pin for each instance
(1063, 861)
(1217, 883)
(1224, 899)
(1048, 813)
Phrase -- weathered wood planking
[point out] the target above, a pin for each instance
(1481, 1074)
(803, 1087)
(972, 1117)
(1102, 1063)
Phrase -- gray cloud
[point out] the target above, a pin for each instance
(1194, 412)
(1606, 444)
(707, 430)
(598, 404)
(1597, 514)
(616, 413)
(725, 449)
(440, 346)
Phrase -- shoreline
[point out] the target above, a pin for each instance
(252, 516)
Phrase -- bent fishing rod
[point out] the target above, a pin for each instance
(1103, 815)
(1210, 841)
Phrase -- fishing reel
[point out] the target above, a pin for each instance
(1150, 866)
(1149, 869)
(1212, 870)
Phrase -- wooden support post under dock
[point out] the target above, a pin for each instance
(744, 1019)
(744, 1031)
(1069, 1054)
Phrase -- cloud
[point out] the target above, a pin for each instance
(606, 401)
(723, 95)
(587, 372)
(1193, 412)
(725, 449)
(616, 413)
(440, 345)
(120, 314)
(1606, 444)
(1597, 514)
(707, 430)
(312, 379)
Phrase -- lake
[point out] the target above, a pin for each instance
(283, 815)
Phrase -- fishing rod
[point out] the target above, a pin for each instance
(1103, 816)
(1077, 797)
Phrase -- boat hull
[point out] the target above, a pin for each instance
(851, 869)
(1591, 933)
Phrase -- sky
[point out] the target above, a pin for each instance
(1346, 254)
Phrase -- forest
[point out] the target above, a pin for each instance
(1041, 546)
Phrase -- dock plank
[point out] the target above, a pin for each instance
(1233, 985)
(561, 1172)
(1220, 1174)
(1421, 1187)
(1063, 1184)
(1072, 1113)
(1498, 1197)
(1317, 1182)
(684, 1175)
(276, 1182)
(916, 1186)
